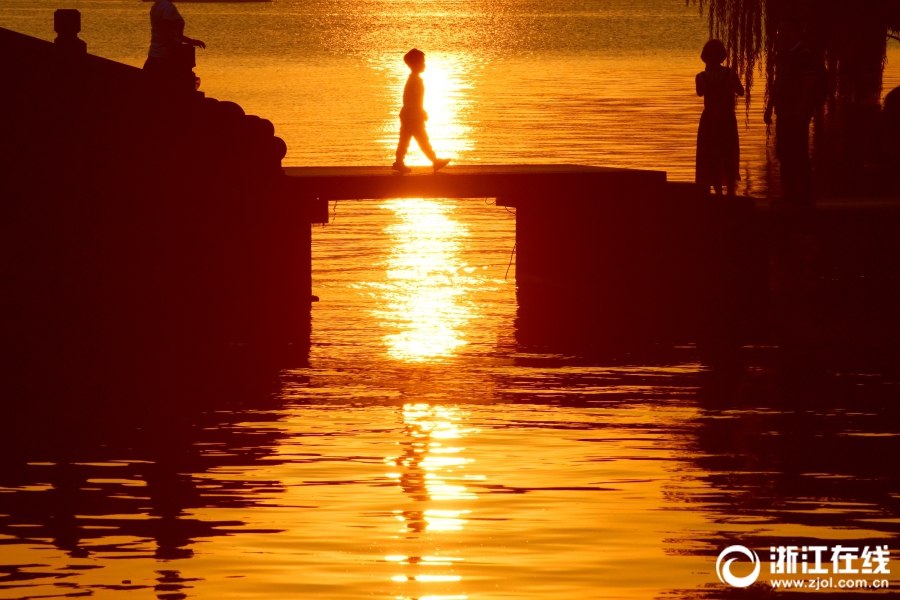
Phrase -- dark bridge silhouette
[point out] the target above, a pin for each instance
(481, 181)
(629, 253)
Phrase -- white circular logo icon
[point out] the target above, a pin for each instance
(724, 571)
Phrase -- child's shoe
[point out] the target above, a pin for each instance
(400, 167)
(440, 164)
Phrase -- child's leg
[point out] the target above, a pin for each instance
(424, 143)
(403, 144)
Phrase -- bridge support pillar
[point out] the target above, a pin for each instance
(663, 265)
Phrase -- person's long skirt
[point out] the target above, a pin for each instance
(718, 149)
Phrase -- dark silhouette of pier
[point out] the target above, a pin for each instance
(472, 181)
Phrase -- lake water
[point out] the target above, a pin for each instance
(429, 451)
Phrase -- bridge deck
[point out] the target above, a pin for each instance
(476, 181)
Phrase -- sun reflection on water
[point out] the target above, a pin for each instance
(428, 477)
(426, 282)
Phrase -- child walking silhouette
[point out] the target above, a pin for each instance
(413, 115)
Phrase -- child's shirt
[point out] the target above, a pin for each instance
(413, 110)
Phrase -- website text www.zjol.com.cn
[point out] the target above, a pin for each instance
(812, 567)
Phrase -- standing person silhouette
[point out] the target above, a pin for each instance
(165, 60)
(792, 99)
(413, 115)
(718, 146)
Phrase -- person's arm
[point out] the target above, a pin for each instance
(700, 82)
(420, 93)
(196, 43)
(175, 25)
(178, 28)
(421, 99)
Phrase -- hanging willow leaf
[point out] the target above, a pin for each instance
(849, 35)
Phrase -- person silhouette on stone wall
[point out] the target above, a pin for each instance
(792, 99)
(413, 115)
(718, 146)
(166, 60)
